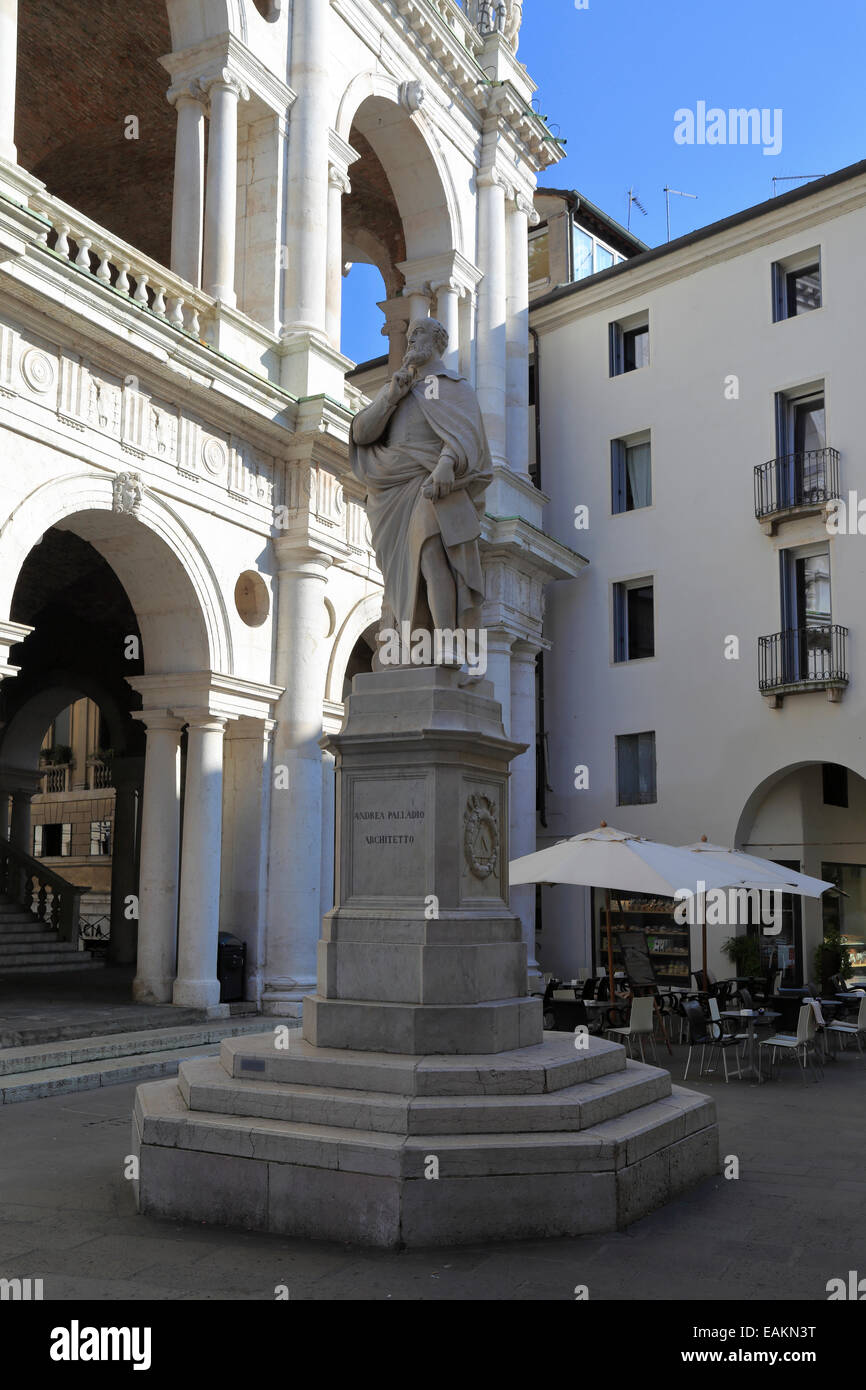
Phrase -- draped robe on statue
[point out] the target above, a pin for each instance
(395, 469)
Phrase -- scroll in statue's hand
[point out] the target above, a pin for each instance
(441, 479)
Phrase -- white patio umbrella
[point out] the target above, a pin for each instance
(754, 872)
(608, 858)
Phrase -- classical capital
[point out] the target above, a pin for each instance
(493, 178)
(186, 91)
(424, 291)
(449, 286)
(227, 79)
(204, 718)
(524, 204)
(338, 178)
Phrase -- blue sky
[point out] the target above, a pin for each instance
(611, 77)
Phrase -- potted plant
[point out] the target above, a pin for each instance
(744, 953)
(831, 957)
(58, 756)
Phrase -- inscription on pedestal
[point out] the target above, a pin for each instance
(389, 842)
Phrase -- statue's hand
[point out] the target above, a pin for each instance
(401, 385)
(441, 480)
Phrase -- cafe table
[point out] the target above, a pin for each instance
(752, 1017)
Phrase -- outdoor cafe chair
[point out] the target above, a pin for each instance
(718, 1028)
(679, 1012)
(801, 1043)
(640, 1023)
(851, 1030)
(700, 1035)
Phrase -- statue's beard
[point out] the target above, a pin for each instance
(417, 357)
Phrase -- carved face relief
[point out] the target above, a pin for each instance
(126, 493)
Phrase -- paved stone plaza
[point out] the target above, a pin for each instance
(795, 1218)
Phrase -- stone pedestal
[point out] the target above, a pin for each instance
(421, 1103)
(421, 953)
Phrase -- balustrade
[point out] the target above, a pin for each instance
(38, 889)
(117, 266)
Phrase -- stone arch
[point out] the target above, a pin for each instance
(194, 21)
(759, 795)
(365, 613)
(167, 576)
(406, 143)
(26, 728)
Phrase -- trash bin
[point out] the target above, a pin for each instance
(231, 961)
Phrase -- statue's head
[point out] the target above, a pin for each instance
(427, 338)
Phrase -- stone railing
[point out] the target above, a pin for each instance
(455, 17)
(37, 889)
(99, 773)
(55, 777)
(450, 13)
(120, 267)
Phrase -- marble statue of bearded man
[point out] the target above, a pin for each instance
(421, 450)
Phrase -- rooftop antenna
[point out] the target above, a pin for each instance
(633, 198)
(792, 178)
(679, 193)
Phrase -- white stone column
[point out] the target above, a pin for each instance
(295, 874)
(395, 329)
(338, 187)
(499, 672)
(491, 335)
(521, 214)
(158, 872)
(197, 985)
(468, 310)
(448, 294)
(126, 775)
(187, 215)
(307, 222)
(246, 811)
(329, 826)
(523, 790)
(8, 74)
(220, 227)
(5, 813)
(419, 304)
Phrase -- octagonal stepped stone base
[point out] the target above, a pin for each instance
(335, 1145)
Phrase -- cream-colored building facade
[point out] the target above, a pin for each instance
(701, 407)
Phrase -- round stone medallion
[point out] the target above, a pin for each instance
(37, 370)
(215, 456)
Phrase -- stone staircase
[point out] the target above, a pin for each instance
(26, 944)
(61, 1067)
(410, 1150)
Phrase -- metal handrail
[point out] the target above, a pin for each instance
(816, 654)
(807, 478)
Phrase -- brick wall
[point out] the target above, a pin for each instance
(84, 66)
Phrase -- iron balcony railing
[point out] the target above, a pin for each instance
(803, 656)
(806, 479)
